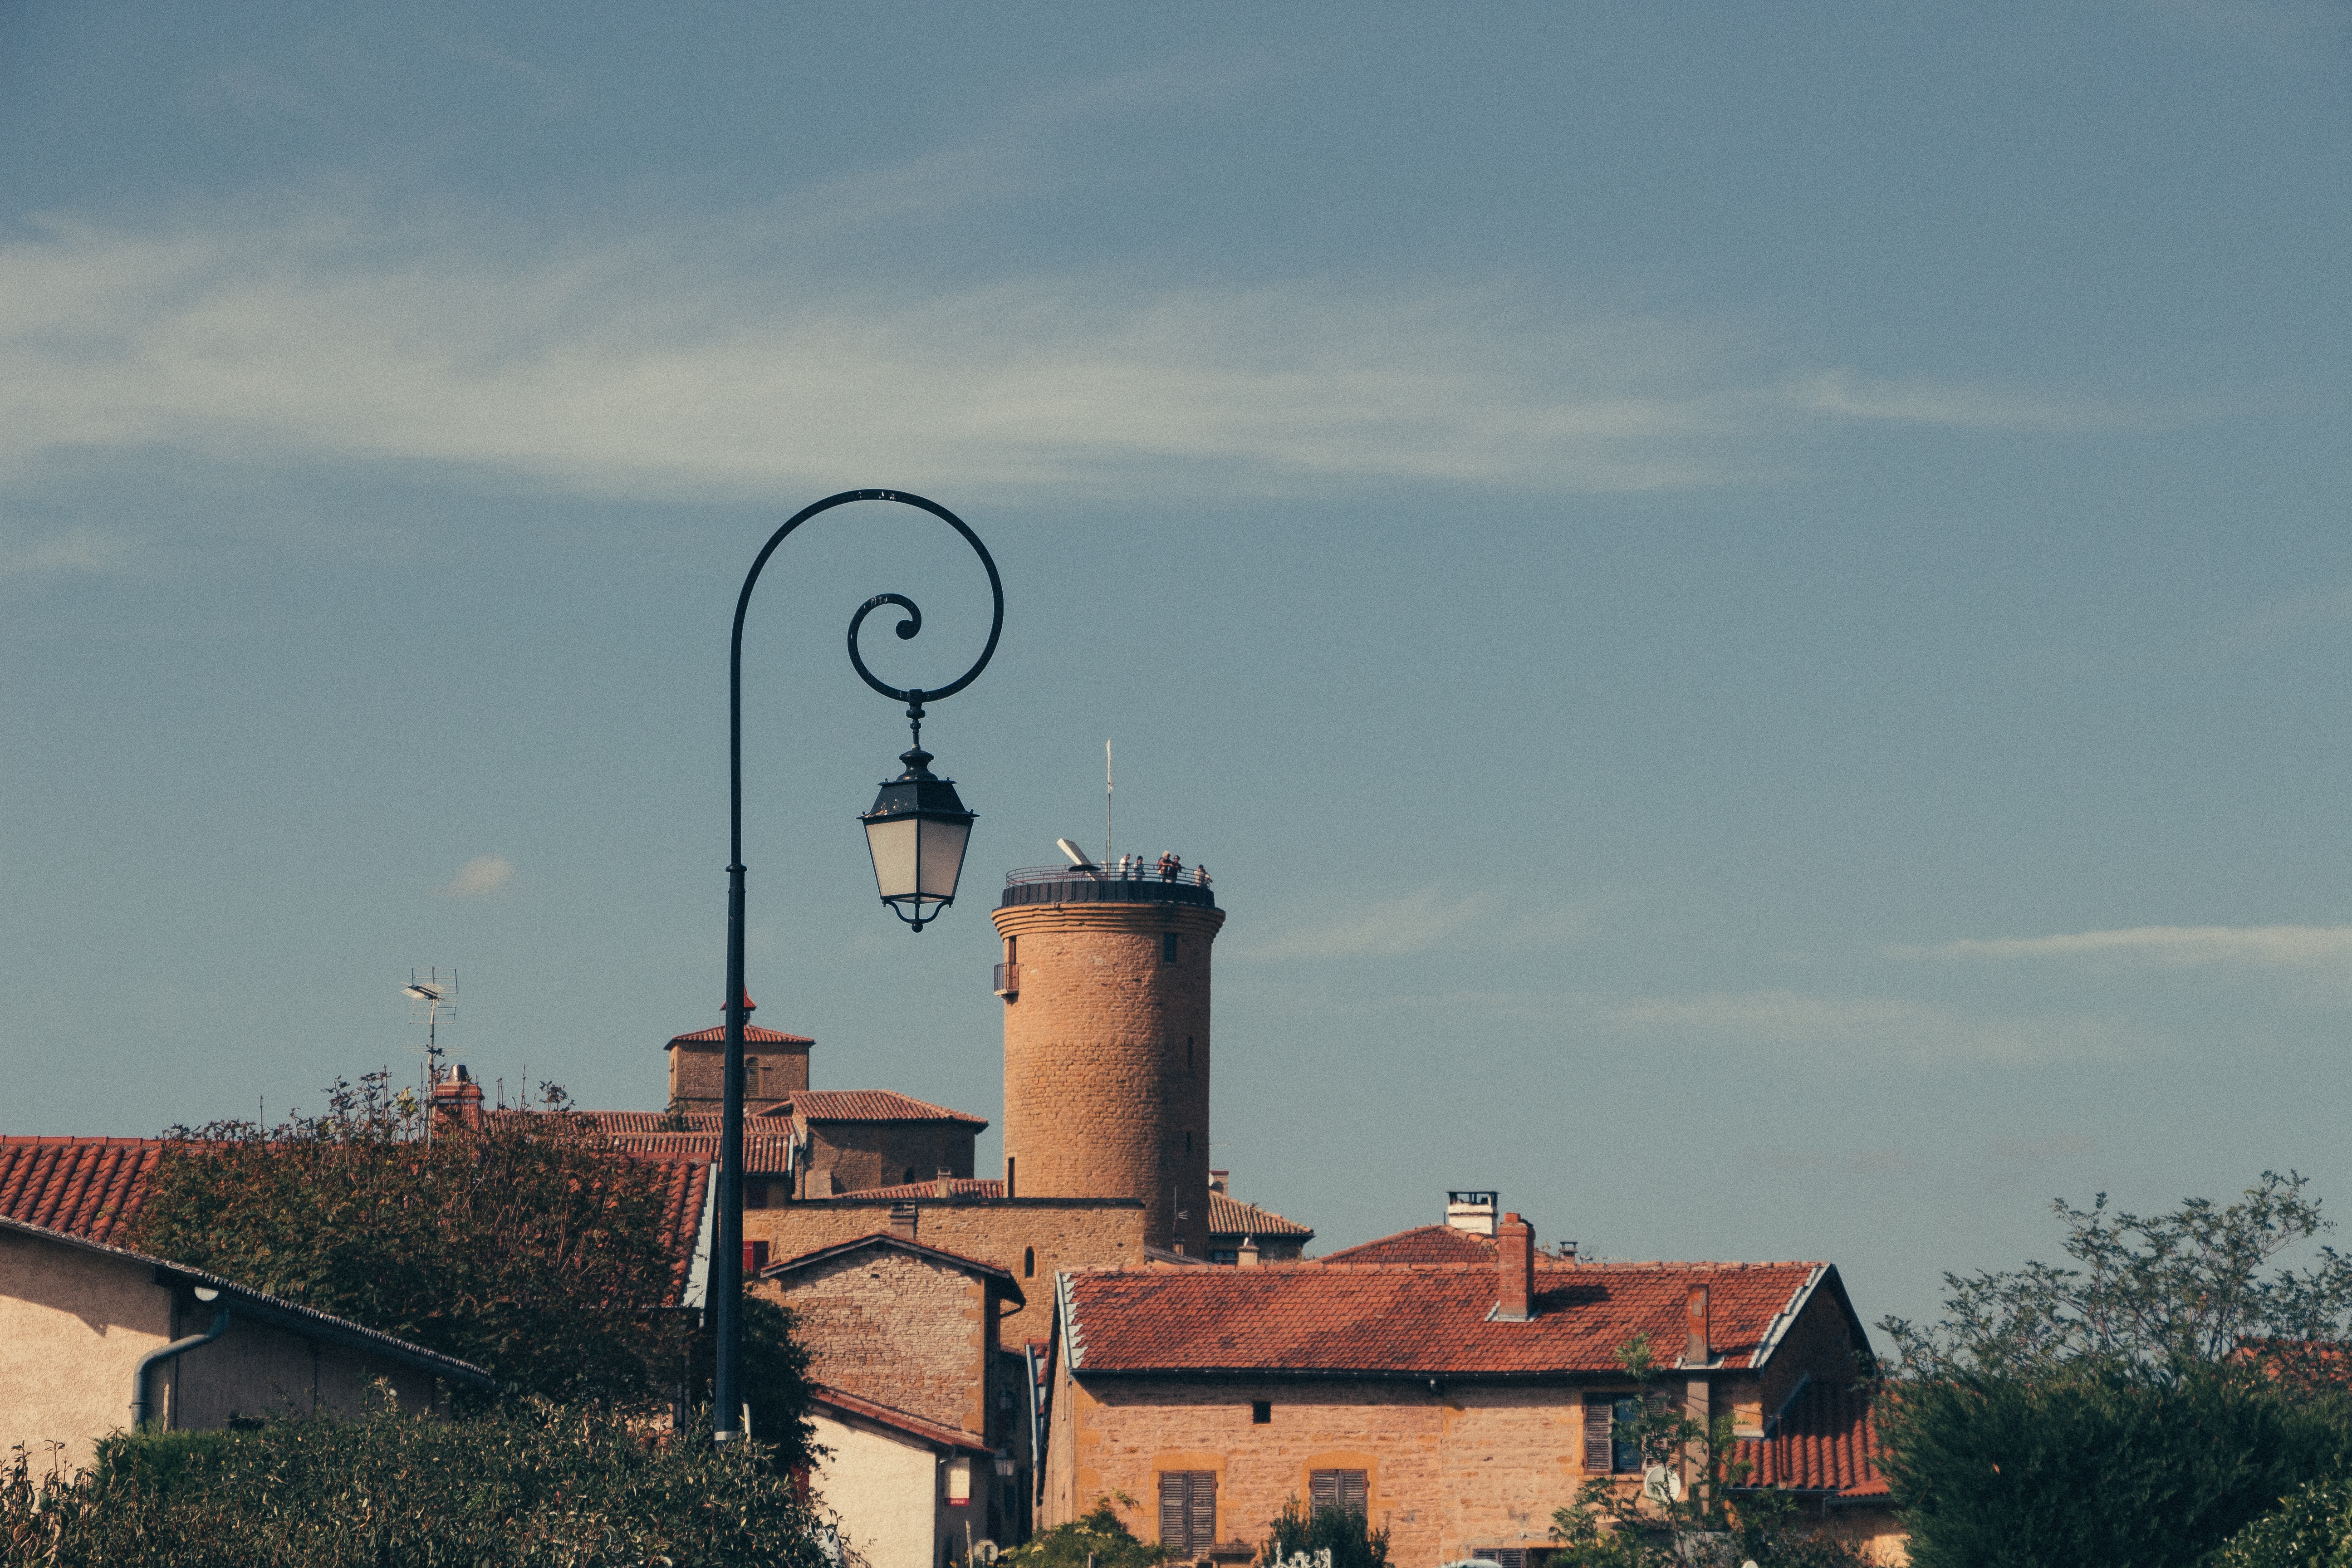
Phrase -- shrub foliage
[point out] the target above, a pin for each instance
(1344, 1532)
(2102, 1463)
(529, 1486)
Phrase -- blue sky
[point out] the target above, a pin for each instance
(1747, 604)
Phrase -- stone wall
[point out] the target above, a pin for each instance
(900, 1330)
(1030, 1238)
(850, 1156)
(698, 1074)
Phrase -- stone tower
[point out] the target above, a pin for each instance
(1106, 987)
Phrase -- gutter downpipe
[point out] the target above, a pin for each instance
(140, 1405)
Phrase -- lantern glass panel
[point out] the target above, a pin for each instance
(894, 843)
(941, 858)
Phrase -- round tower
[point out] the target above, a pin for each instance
(1105, 988)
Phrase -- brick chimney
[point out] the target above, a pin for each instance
(1699, 1350)
(1514, 1262)
(460, 1099)
(902, 1220)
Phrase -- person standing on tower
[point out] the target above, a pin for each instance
(1169, 865)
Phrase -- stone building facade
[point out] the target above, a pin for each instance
(1459, 1403)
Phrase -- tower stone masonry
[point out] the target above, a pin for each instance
(1106, 1044)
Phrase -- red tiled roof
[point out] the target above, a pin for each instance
(1427, 1244)
(870, 1105)
(1418, 1320)
(1228, 1215)
(753, 1035)
(619, 1121)
(92, 1187)
(1824, 1441)
(829, 1398)
(648, 1134)
(798, 1261)
(682, 1205)
(958, 1187)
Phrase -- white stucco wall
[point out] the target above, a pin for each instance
(884, 1492)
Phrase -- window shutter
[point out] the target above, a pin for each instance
(1172, 1495)
(1597, 1456)
(1509, 1556)
(1322, 1490)
(1204, 1533)
(1354, 1493)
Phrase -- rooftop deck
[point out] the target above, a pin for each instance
(1104, 885)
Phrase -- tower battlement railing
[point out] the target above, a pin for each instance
(1141, 884)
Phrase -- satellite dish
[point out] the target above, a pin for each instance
(1077, 856)
(1661, 1484)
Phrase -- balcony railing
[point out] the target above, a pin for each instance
(1137, 882)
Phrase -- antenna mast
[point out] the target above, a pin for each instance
(1106, 859)
(432, 999)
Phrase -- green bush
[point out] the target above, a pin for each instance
(531, 1486)
(2119, 1464)
(1347, 1534)
(1099, 1538)
(2311, 1528)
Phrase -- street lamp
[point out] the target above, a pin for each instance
(916, 833)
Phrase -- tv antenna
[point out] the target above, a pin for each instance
(1106, 859)
(432, 1002)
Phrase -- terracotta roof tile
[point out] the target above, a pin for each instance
(92, 1187)
(1824, 1441)
(840, 1403)
(1421, 1319)
(1228, 1215)
(958, 1187)
(753, 1035)
(870, 1105)
(1427, 1244)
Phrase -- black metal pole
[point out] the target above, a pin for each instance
(725, 1282)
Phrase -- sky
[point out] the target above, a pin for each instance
(1748, 606)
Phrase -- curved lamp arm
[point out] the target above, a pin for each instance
(727, 1274)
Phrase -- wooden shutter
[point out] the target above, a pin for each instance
(1188, 1510)
(1597, 1458)
(1509, 1556)
(1338, 1488)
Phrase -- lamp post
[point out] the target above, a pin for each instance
(916, 834)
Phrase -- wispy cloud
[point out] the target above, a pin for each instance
(482, 875)
(74, 550)
(1881, 1026)
(731, 362)
(2269, 947)
(1413, 922)
(1961, 405)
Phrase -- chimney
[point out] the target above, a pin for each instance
(1473, 1212)
(902, 1220)
(1514, 1261)
(1247, 1256)
(1699, 1350)
(1217, 1180)
(939, 1182)
(459, 1097)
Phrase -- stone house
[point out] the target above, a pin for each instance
(1459, 1402)
(1234, 1225)
(917, 1399)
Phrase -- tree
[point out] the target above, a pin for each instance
(1097, 1539)
(2311, 1528)
(529, 1485)
(2194, 1286)
(2104, 1462)
(1712, 1514)
(1344, 1532)
(530, 1245)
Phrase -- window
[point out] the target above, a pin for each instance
(1188, 1510)
(1188, 1056)
(909, 1175)
(755, 1256)
(1188, 1143)
(1225, 1255)
(1261, 1412)
(1336, 1489)
(755, 1193)
(1028, 1263)
(1607, 1419)
(1506, 1556)
(1168, 947)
